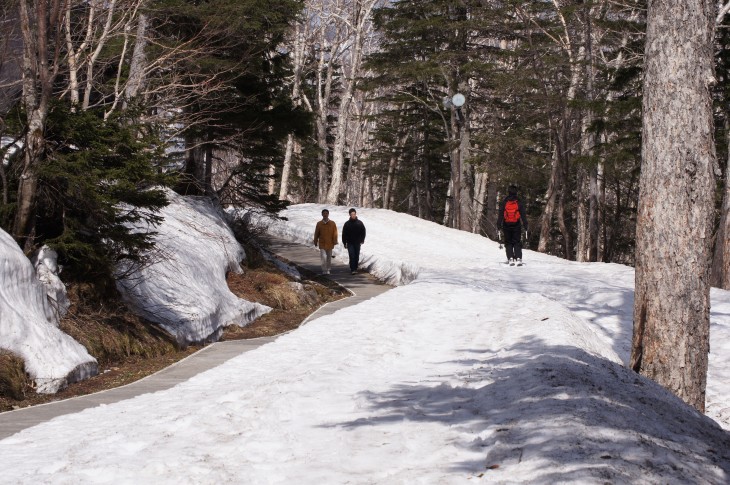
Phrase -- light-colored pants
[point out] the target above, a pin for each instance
(326, 257)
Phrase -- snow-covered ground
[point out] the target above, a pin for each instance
(469, 371)
(29, 321)
(184, 290)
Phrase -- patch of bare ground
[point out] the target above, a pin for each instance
(129, 348)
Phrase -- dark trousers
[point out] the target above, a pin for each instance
(512, 241)
(354, 251)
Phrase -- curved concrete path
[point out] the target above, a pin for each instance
(362, 286)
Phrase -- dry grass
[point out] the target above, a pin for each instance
(110, 332)
(129, 348)
(14, 382)
(290, 304)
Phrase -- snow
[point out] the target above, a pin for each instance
(45, 262)
(184, 290)
(470, 371)
(29, 320)
(9, 147)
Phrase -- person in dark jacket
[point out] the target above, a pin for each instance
(510, 221)
(353, 236)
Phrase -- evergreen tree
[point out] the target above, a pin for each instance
(429, 51)
(251, 113)
(99, 177)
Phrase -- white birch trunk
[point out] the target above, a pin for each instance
(99, 47)
(39, 22)
(137, 65)
(298, 58)
(360, 23)
(481, 181)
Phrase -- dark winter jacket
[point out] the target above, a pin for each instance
(353, 232)
(500, 216)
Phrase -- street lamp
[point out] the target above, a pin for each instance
(457, 101)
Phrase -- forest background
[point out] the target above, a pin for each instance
(337, 102)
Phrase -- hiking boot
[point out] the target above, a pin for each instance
(354, 272)
(519, 261)
(511, 261)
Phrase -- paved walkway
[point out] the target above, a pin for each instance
(363, 286)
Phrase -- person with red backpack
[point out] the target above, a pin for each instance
(510, 221)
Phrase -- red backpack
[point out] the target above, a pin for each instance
(511, 212)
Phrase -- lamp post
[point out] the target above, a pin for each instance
(455, 102)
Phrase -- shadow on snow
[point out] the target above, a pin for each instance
(575, 415)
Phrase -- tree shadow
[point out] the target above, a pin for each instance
(597, 303)
(561, 414)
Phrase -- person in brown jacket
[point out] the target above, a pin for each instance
(325, 237)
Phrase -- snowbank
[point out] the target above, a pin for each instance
(29, 321)
(400, 249)
(184, 289)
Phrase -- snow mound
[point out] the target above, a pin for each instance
(184, 288)
(28, 322)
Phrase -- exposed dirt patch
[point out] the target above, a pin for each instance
(129, 348)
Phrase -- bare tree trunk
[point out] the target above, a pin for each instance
(208, 176)
(322, 173)
(413, 205)
(138, 63)
(100, 45)
(74, 53)
(368, 193)
(583, 240)
(364, 185)
(562, 224)
(325, 73)
(466, 177)
(548, 212)
(480, 197)
(354, 176)
(392, 169)
(675, 213)
(587, 244)
(298, 57)
(360, 22)
(600, 211)
(593, 214)
(492, 209)
(286, 168)
(454, 194)
(721, 259)
(40, 21)
(272, 180)
(557, 193)
(588, 213)
(427, 188)
(448, 206)
(389, 182)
